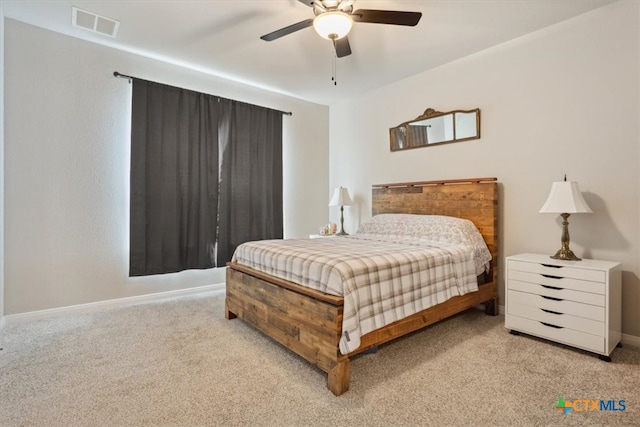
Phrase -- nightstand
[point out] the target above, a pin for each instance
(577, 303)
(320, 236)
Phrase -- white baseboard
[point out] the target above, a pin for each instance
(119, 302)
(3, 323)
(630, 340)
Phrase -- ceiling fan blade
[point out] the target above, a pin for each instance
(307, 2)
(387, 17)
(342, 46)
(287, 30)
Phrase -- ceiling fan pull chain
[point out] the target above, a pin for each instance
(334, 79)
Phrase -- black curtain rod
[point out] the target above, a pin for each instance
(130, 78)
(124, 76)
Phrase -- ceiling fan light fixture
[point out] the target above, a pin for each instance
(333, 25)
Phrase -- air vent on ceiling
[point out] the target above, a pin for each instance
(92, 22)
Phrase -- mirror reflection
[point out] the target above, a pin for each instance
(435, 127)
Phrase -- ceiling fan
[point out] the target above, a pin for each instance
(334, 19)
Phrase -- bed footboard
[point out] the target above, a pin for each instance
(308, 326)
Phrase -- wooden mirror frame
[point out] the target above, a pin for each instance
(405, 135)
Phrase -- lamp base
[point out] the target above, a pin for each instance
(565, 254)
(341, 232)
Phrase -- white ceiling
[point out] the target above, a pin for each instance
(221, 37)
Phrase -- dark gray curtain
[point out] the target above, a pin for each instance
(419, 134)
(174, 185)
(250, 177)
(206, 175)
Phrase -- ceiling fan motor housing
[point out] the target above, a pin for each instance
(320, 7)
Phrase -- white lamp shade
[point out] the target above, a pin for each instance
(333, 25)
(565, 197)
(340, 197)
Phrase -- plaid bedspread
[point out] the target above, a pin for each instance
(381, 280)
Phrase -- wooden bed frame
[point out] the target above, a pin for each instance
(309, 322)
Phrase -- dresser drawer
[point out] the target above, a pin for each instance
(571, 337)
(566, 272)
(558, 293)
(577, 309)
(564, 320)
(557, 282)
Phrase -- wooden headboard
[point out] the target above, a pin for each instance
(475, 199)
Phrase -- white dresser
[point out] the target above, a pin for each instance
(577, 303)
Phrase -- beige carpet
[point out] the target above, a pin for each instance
(180, 363)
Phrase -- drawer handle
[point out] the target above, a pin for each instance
(551, 266)
(550, 311)
(548, 276)
(551, 287)
(551, 326)
(551, 298)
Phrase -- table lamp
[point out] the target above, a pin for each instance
(564, 199)
(341, 198)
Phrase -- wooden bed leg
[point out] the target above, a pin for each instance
(229, 314)
(338, 377)
(491, 307)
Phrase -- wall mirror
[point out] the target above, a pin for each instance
(436, 127)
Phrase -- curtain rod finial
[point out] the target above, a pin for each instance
(124, 76)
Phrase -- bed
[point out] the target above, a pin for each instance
(309, 321)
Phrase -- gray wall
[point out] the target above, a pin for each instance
(1, 170)
(67, 168)
(562, 100)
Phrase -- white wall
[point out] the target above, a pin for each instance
(562, 100)
(1, 171)
(67, 164)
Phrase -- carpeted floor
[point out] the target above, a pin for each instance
(180, 363)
